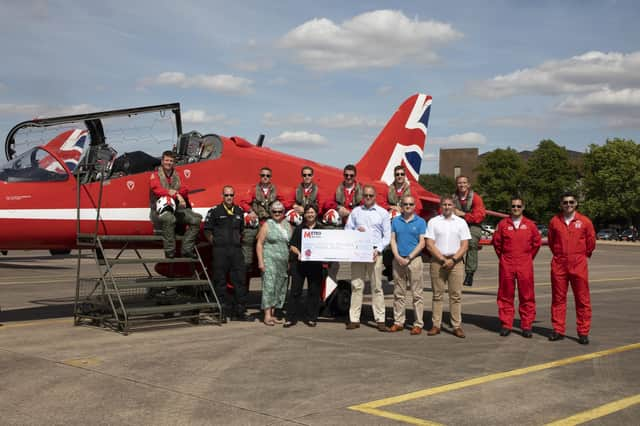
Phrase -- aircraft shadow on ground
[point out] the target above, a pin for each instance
(37, 313)
(4, 265)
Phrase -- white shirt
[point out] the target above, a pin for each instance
(447, 233)
(516, 222)
(568, 220)
(374, 219)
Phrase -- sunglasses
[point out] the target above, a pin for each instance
(307, 174)
(265, 175)
(408, 204)
(399, 174)
(570, 202)
(369, 195)
(229, 195)
(277, 211)
(349, 175)
(516, 206)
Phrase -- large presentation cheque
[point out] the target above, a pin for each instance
(336, 245)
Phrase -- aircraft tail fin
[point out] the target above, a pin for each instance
(401, 142)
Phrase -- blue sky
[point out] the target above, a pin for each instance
(320, 78)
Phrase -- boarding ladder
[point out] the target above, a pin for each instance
(116, 294)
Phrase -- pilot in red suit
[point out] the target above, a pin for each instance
(572, 240)
(165, 184)
(516, 241)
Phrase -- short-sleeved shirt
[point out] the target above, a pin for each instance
(447, 233)
(408, 234)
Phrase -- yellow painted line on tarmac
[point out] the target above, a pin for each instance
(395, 416)
(83, 362)
(548, 283)
(597, 412)
(373, 407)
(38, 322)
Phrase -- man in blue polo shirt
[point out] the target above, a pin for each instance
(407, 242)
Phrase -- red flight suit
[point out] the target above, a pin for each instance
(571, 245)
(516, 248)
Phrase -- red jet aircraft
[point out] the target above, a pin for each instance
(51, 192)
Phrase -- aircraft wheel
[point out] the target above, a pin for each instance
(342, 299)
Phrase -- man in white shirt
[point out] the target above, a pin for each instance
(372, 218)
(447, 240)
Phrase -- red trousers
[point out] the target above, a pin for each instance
(572, 271)
(520, 271)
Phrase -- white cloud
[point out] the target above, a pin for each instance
(198, 116)
(383, 90)
(603, 101)
(585, 73)
(302, 139)
(381, 38)
(469, 138)
(222, 83)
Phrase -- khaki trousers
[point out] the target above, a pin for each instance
(453, 279)
(410, 275)
(361, 272)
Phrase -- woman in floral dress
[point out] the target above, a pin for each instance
(272, 249)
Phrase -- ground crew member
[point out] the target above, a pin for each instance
(572, 240)
(165, 181)
(306, 192)
(407, 241)
(223, 229)
(516, 241)
(470, 207)
(447, 239)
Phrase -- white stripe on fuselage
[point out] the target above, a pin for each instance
(107, 214)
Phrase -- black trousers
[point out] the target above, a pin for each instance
(230, 261)
(312, 272)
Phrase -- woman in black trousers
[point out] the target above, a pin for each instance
(309, 270)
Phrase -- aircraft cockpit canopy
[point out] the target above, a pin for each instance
(34, 165)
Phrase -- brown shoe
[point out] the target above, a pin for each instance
(434, 330)
(352, 325)
(458, 332)
(416, 330)
(395, 327)
(382, 327)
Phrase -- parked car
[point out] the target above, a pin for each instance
(607, 234)
(544, 231)
(628, 235)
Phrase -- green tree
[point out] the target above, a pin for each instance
(438, 184)
(612, 182)
(549, 173)
(500, 175)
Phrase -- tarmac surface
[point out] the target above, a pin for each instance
(249, 374)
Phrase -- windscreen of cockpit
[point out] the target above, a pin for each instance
(34, 165)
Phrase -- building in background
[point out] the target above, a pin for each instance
(459, 161)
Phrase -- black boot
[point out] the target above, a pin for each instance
(468, 280)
